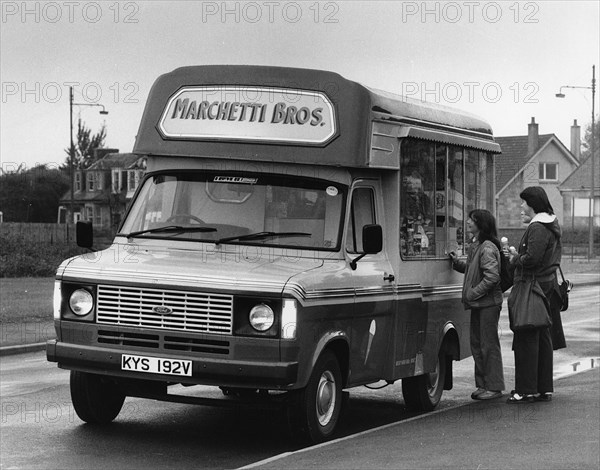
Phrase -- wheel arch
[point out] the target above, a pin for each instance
(450, 342)
(338, 343)
(450, 350)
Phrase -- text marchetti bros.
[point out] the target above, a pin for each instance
(251, 112)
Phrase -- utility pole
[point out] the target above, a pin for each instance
(72, 147)
(71, 158)
(593, 157)
(560, 94)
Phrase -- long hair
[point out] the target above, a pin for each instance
(486, 223)
(537, 199)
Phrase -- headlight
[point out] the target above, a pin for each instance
(81, 302)
(261, 317)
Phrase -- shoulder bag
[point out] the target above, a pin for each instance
(528, 307)
(565, 287)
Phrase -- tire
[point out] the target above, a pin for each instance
(96, 399)
(314, 411)
(424, 392)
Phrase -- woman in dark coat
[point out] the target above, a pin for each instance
(483, 296)
(538, 255)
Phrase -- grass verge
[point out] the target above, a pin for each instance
(26, 310)
(26, 297)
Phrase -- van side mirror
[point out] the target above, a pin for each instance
(372, 240)
(372, 237)
(84, 234)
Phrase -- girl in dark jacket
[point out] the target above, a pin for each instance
(538, 256)
(482, 294)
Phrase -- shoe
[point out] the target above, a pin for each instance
(518, 398)
(477, 392)
(488, 395)
(547, 396)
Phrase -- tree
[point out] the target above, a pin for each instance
(84, 146)
(32, 195)
(587, 141)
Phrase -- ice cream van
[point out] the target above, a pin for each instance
(289, 241)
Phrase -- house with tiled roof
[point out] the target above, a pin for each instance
(102, 191)
(531, 160)
(575, 190)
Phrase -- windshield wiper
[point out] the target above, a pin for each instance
(259, 235)
(170, 228)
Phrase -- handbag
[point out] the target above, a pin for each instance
(528, 307)
(506, 273)
(564, 288)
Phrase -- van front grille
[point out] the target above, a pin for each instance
(165, 309)
(169, 342)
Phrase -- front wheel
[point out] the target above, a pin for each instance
(96, 399)
(424, 392)
(314, 411)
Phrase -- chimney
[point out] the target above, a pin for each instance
(576, 140)
(533, 141)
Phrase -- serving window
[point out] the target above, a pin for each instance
(439, 185)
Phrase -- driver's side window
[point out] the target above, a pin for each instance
(362, 212)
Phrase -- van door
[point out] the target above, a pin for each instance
(374, 287)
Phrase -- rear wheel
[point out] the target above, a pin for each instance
(424, 392)
(314, 411)
(96, 399)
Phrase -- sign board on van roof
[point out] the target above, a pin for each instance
(249, 114)
(300, 116)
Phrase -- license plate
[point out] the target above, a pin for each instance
(156, 365)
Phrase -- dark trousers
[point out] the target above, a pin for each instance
(485, 347)
(533, 361)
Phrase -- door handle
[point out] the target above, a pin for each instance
(389, 277)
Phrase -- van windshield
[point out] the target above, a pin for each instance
(234, 208)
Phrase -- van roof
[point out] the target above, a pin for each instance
(356, 107)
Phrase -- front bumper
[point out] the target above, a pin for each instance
(205, 371)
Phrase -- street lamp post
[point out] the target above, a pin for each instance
(560, 94)
(72, 146)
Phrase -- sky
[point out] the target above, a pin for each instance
(503, 61)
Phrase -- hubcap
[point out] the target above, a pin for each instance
(325, 398)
